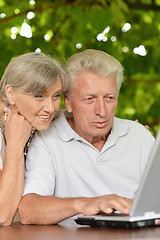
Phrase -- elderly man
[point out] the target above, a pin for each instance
(88, 161)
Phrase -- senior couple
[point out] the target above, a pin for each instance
(85, 160)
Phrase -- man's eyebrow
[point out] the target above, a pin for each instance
(88, 94)
(111, 92)
(92, 94)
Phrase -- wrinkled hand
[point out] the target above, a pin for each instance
(107, 204)
(17, 129)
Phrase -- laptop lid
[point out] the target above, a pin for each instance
(147, 200)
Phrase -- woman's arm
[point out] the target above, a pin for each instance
(17, 131)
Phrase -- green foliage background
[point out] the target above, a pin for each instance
(68, 22)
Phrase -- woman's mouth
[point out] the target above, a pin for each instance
(44, 117)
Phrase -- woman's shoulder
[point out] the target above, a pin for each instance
(1, 139)
(2, 150)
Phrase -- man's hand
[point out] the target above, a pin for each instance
(106, 204)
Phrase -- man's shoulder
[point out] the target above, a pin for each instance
(134, 128)
(129, 123)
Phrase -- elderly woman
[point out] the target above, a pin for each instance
(30, 92)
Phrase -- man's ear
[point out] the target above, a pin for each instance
(67, 102)
(10, 94)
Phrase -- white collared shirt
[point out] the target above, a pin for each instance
(62, 163)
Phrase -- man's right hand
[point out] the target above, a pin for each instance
(36, 209)
(107, 204)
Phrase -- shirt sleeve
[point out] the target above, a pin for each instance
(39, 172)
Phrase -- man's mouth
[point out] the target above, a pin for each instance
(100, 124)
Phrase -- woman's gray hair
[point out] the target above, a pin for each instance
(34, 73)
(96, 61)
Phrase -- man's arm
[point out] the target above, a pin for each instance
(39, 205)
(36, 209)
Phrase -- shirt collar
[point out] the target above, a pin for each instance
(119, 129)
(64, 131)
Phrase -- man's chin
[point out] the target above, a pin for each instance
(101, 132)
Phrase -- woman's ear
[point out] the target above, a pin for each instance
(67, 102)
(10, 94)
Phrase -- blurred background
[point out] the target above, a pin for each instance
(127, 29)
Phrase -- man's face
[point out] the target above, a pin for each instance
(93, 104)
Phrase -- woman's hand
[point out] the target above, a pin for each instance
(17, 129)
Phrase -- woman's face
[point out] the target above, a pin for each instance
(38, 110)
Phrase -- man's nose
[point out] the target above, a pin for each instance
(100, 107)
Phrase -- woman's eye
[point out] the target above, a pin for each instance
(39, 96)
(57, 96)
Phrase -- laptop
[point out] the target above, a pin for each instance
(145, 210)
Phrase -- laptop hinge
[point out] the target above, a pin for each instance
(149, 214)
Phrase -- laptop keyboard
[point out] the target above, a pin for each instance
(112, 214)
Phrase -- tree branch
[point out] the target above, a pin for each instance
(156, 81)
(39, 9)
(139, 5)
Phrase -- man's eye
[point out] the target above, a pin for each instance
(89, 99)
(109, 99)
